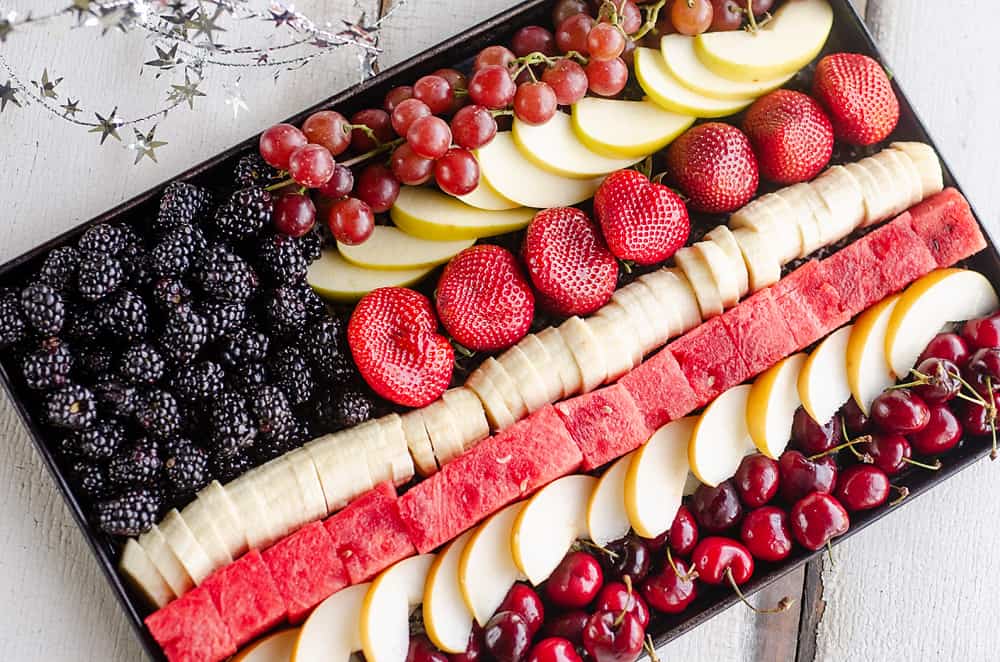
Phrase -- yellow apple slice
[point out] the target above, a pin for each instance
(682, 61)
(607, 519)
(385, 613)
(435, 216)
(785, 44)
(392, 249)
(554, 147)
(772, 217)
(626, 129)
(516, 178)
(694, 266)
(562, 361)
(868, 372)
(587, 351)
(657, 477)
(927, 163)
(667, 91)
(137, 567)
(942, 296)
(486, 568)
(447, 618)
(720, 438)
(823, 385)
(332, 633)
(276, 647)
(771, 405)
(841, 193)
(484, 197)
(548, 524)
(336, 279)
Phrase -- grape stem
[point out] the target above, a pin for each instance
(384, 147)
(537, 57)
(652, 15)
(364, 128)
(282, 184)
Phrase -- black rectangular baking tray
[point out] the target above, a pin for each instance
(849, 34)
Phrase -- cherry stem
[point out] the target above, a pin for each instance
(849, 444)
(843, 429)
(380, 149)
(650, 648)
(652, 15)
(691, 576)
(783, 604)
(752, 27)
(604, 550)
(903, 493)
(991, 410)
(922, 465)
(829, 553)
(628, 583)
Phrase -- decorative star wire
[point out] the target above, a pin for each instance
(186, 92)
(82, 9)
(47, 88)
(145, 145)
(117, 17)
(70, 108)
(165, 59)
(358, 31)
(281, 15)
(8, 93)
(107, 126)
(235, 98)
(6, 27)
(203, 24)
(180, 20)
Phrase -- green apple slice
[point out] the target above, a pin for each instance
(392, 249)
(682, 61)
(485, 197)
(555, 147)
(626, 129)
(515, 177)
(429, 214)
(781, 47)
(336, 279)
(664, 89)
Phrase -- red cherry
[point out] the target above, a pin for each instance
(862, 487)
(812, 438)
(507, 637)
(986, 362)
(717, 508)
(377, 187)
(329, 129)
(575, 581)
(341, 183)
(900, 410)
(311, 165)
(554, 649)
(817, 518)
(618, 597)
(473, 650)
(982, 332)
(671, 592)
(976, 419)
(524, 601)
(855, 420)
(716, 557)
(421, 650)
(941, 434)
(611, 637)
(629, 557)
(683, 534)
(351, 221)
(889, 450)
(278, 142)
(378, 121)
(949, 346)
(765, 533)
(945, 379)
(294, 214)
(800, 475)
(568, 625)
(756, 480)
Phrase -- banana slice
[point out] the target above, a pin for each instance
(185, 547)
(722, 273)
(383, 463)
(665, 311)
(894, 194)
(419, 443)
(342, 468)
(539, 357)
(563, 362)
(444, 432)
(310, 489)
(771, 216)
(280, 490)
(722, 236)
(468, 411)
(143, 575)
(698, 273)
(508, 388)
(841, 193)
(165, 561)
(587, 352)
(258, 521)
(497, 412)
(673, 291)
(620, 331)
(529, 380)
(627, 299)
(663, 319)
(762, 264)
(904, 174)
(614, 335)
(927, 163)
(802, 200)
(392, 449)
(225, 517)
(201, 521)
(877, 203)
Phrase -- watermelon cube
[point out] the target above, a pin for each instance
(190, 629)
(946, 225)
(900, 254)
(761, 336)
(798, 317)
(306, 569)
(605, 424)
(368, 536)
(709, 360)
(246, 597)
(809, 286)
(852, 271)
(660, 390)
(497, 471)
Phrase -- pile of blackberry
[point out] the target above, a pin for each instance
(184, 349)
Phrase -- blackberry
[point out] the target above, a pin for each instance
(275, 445)
(82, 326)
(100, 442)
(141, 364)
(44, 308)
(186, 470)
(199, 383)
(253, 170)
(225, 276)
(173, 445)
(95, 362)
(291, 373)
(323, 413)
(221, 317)
(124, 317)
(280, 258)
(338, 372)
(158, 413)
(248, 377)
(116, 399)
(106, 239)
(321, 341)
(272, 411)
(315, 306)
(68, 449)
(311, 246)
(177, 252)
(92, 480)
(244, 215)
(138, 466)
(286, 311)
(130, 514)
(99, 276)
(183, 336)
(230, 466)
(59, 268)
(137, 264)
(170, 294)
(13, 328)
(243, 346)
(232, 428)
(72, 407)
(353, 407)
(181, 204)
(49, 366)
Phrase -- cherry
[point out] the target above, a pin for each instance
(554, 649)
(801, 475)
(278, 142)
(862, 487)
(949, 346)
(533, 39)
(982, 332)
(575, 581)
(717, 508)
(716, 558)
(889, 451)
(941, 434)
(377, 187)
(976, 419)
(812, 438)
(683, 534)
(628, 557)
(378, 121)
(765, 533)
(944, 376)
(294, 214)
(671, 592)
(421, 650)
(567, 625)
(613, 637)
(618, 597)
(900, 410)
(474, 649)
(855, 420)
(986, 362)
(524, 601)
(507, 637)
(817, 518)
(756, 480)
(329, 129)
(341, 183)
(351, 221)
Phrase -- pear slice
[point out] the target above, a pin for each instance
(336, 279)
(669, 93)
(692, 263)
(823, 385)
(763, 265)
(549, 523)
(772, 217)
(587, 352)
(626, 129)
(554, 147)
(607, 519)
(137, 567)
(332, 633)
(435, 216)
(562, 361)
(486, 198)
(447, 618)
(392, 249)
(945, 295)
(720, 438)
(868, 372)
(673, 290)
(516, 178)
(771, 405)
(723, 237)
(275, 647)
(927, 163)
(486, 568)
(385, 614)
(785, 44)
(842, 195)
(656, 478)
(682, 60)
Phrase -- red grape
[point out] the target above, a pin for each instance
(607, 77)
(378, 121)
(294, 214)
(409, 167)
(727, 15)
(377, 187)
(535, 103)
(396, 96)
(691, 17)
(340, 183)
(492, 87)
(631, 16)
(566, 8)
(457, 172)
(455, 78)
(628, 55)
(429, 137)
(311, 165)
(533, 39)
(761, 6)
(493, 55)
(436, 92)
(571, 35)
(351, 221)
(605, 42)
(664, 25)
(278, 142)
(472, 127)
(329, 129)
(408, 112)
(568, 80)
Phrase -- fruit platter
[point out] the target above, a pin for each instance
(547, 345)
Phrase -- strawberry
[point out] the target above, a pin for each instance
(791, 136)
(714, 166)
(568, 261)
(856, 92)
(642, 221)
(394, 341)
(484, 299)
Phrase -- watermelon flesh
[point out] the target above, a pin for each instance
(709, 359)
(496, 472)
(852, 271)
(368, 536)
(901, 256)
(190, 629)
(660, 390)
(305, 569)
(246, 597)
(762, 339)
(605, 424)
(794, 308)
(947, 227)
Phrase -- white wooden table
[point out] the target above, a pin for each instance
(921, 585)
